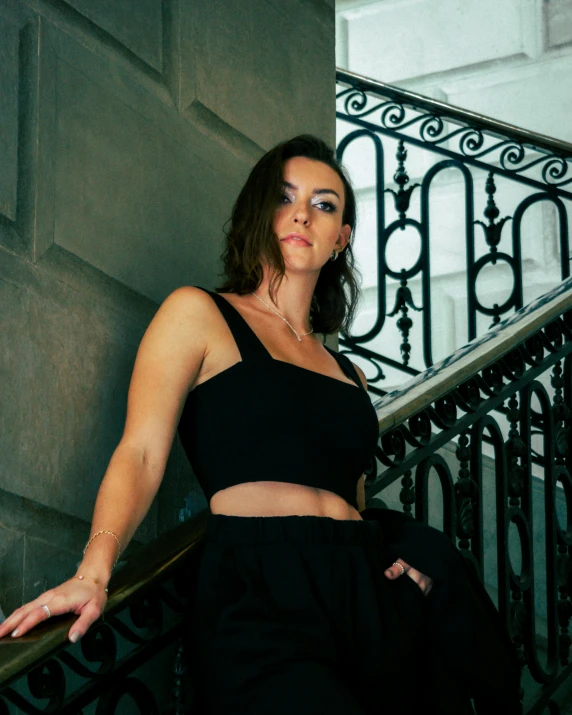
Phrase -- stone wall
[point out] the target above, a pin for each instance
(125, 134)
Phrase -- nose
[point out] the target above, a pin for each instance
(301, 215)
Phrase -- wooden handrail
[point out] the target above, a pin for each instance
(457, 114)
(152, 563)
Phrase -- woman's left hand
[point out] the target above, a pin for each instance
(424, 582)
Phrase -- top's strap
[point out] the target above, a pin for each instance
(347, 366)
(249, 345)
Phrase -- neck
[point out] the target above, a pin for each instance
(292, 300)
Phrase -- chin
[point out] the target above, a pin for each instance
(306, 268)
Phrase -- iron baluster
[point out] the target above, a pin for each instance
(563, 563)
(515, 449)
(404, 301)
(493, 229)
(465, 495)
(402, 197)
(407, 493)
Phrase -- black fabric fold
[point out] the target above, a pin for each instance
(469, 646)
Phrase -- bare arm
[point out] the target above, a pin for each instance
(167, 364)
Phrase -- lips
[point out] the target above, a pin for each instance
(296, 239)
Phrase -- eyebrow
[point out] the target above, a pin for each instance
(315, 191)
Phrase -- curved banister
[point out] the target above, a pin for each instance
(152, 563)
(457, 114)
(418, 393)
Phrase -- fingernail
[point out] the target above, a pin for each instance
(15, 633)
(74, 636)
(388, 573)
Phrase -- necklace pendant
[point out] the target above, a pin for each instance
(282, 318)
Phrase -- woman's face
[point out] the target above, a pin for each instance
(308, 221)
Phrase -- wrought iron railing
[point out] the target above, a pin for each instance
(513, 489)
(445, 162)
(143, 623)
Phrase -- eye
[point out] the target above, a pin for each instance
(285, 199)
(326, 206)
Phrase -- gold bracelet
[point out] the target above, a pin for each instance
(105, 531)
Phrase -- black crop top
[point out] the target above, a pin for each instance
(265, 419)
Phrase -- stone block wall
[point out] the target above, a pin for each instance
(126, 130)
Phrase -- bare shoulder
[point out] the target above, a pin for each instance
(179, 330)
(188, 311)
(361, 374)
(188, 301)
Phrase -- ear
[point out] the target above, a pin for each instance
(344, 236)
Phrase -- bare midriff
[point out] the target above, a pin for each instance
(281, 499)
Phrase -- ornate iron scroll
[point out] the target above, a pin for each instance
(447, 142)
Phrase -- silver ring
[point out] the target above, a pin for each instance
(46, 609)
(396, 563)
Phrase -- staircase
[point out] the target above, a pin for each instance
(474, 425)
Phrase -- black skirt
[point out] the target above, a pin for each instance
(295, 615)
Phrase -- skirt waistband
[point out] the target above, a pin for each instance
(224, 529)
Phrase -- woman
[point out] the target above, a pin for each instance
(302, 604)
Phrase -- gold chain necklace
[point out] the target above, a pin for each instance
(298, 335)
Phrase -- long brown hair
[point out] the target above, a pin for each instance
(251, 240)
